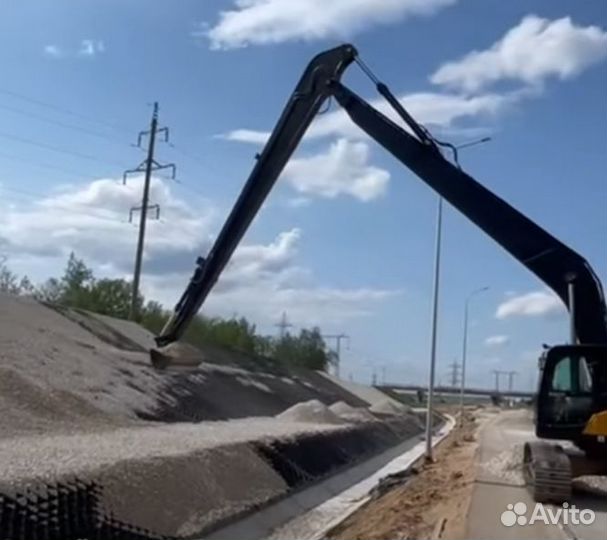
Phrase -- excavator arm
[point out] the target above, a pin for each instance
(549, 259)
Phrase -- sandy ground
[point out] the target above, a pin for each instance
(432, 502)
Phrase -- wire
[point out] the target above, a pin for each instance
(57, 149)
(67, 209)
(63, 110)
(70, 172)
(62, 124)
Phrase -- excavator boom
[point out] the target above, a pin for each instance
(549, 259)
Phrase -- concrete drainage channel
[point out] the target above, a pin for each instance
(310, 513)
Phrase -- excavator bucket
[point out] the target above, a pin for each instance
(176, 355)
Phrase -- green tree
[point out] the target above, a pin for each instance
(154, 317)
(8, 280)
(308, 350)
(109, 297)
(76, 284)
(50, 291)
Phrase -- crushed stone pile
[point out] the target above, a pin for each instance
(351, 414)
(310, 411)
(389, 406)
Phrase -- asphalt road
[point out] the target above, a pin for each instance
(499, 483)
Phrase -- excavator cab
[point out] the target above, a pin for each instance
(572, 389)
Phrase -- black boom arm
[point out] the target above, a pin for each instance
(549, 259)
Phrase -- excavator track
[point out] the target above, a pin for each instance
(547, 470)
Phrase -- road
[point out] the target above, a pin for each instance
(499, 483)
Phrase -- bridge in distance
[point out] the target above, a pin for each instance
(450, 390)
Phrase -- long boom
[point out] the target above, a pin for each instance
(549, 259)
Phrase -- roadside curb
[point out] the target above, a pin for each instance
(350, 500)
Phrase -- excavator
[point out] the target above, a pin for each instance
(571, 401)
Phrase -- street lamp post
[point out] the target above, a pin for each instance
(435, 293)
(465, 350)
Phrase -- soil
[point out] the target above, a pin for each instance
(430, 503)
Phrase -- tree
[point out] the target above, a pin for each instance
(8, 280)
(26, 287)
(76, 283)
(307, 350)
(51, 291)
(109, 297)
(154, 317)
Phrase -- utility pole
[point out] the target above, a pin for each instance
(283, 325)
(147, 167)
(337, 338)
(455, 376)
(511, 375)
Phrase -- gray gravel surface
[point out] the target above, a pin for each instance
(54, 456)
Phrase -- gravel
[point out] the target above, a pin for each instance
(506, 466)
(595, 485)
(389, 406)
(55, 456)
(312, 411)
(368, 394)
(53, 370)
(351, 414)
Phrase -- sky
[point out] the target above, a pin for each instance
(345, 240)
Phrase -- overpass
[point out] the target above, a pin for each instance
(450, 390)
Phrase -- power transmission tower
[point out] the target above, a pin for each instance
(283, 325)
(147, 166)
(337, 338)
(497, 374)
(511, 375)
(455, 375)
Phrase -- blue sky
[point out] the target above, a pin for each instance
(346, 238)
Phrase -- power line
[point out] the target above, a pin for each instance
(63, 110)
(62, 124)
(90, 210)
(57, 149)
(49, 166)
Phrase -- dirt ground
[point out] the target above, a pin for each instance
(431, 503)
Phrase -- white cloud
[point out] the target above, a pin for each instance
(298, 202)
(428, 108)
(91, 47)
(533, 304)
(530, 52)
(246, 136)
(261, 281)
(434, 110)
(342, 170)
(53, 50)
(91, 220)
(87, 48)
(496, 341)
(258, 22)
